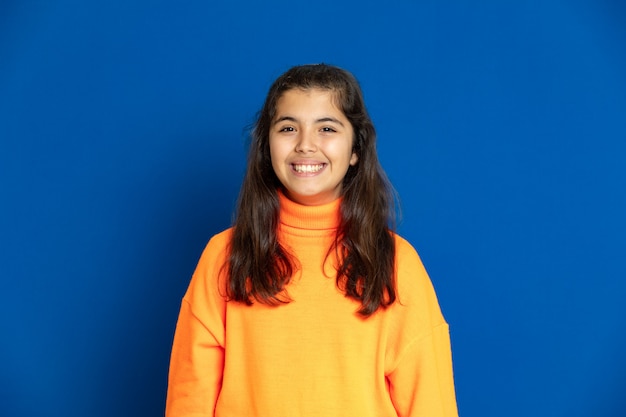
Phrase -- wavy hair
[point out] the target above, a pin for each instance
(258, 266)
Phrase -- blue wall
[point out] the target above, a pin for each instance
(122, 131)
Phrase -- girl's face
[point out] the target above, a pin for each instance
(311, 146)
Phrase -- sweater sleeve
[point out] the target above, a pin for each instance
(420, 372)
(421, 384)
(197, 360)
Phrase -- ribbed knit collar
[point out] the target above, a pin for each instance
(296, 215)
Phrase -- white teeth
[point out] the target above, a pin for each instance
(308, 168)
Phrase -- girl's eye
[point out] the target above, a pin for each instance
(286, 129)
(328, 129)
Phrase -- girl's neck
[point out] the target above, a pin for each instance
(323, 217)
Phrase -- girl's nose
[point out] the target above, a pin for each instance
(306, 142)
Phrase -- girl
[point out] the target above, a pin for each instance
(311, 305)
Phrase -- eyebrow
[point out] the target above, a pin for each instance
(321, 120)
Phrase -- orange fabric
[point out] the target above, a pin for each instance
(313, 356)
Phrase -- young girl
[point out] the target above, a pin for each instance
(310, 305)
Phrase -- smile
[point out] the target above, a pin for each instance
(307, 168)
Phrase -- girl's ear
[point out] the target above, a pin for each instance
(354, 159)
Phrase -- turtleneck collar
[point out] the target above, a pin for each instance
(296, 215)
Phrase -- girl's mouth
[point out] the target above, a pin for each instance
(307, 169)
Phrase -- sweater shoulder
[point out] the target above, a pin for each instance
(404, 247)
(209, 277)
(414, 286)
(407, 257)
(221, 239)
(216, 248)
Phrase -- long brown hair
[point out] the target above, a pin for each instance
(259, 266)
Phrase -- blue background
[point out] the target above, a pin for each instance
(501, 124)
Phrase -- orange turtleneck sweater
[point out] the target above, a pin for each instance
(313, 356)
